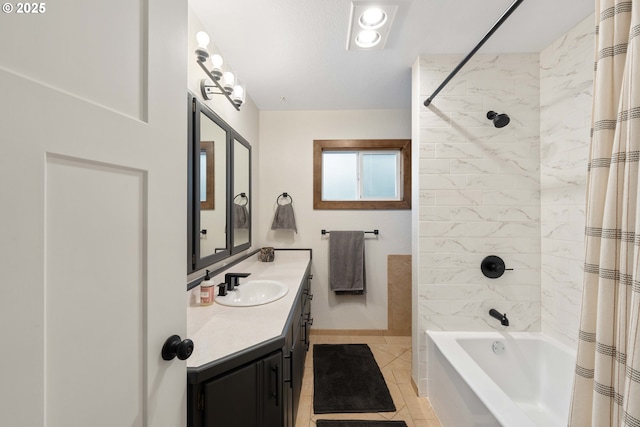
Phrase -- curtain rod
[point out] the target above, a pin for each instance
(493, 29)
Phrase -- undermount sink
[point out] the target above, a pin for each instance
(254, 292)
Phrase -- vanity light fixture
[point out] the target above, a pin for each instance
(369, 24)
(220, 81)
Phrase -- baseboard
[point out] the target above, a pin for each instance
(362, 332)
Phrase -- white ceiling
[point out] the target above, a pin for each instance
(292, 54)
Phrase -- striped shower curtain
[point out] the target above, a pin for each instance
(607, 378)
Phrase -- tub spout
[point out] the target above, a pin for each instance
(501, 317)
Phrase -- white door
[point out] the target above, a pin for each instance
(93, 195)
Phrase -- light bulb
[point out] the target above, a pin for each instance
(373, 18)
(217, 66)
(229, 80)
(203, 39)
(238, 95)
(217, 61)
(368, 38)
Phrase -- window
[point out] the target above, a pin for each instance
(362, 174)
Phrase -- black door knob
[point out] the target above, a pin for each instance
(174, 346)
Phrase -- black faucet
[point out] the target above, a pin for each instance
(501, 317)
(231, 279)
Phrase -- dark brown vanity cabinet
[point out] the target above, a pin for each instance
(259, 386)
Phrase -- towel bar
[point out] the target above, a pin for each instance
(284, 195)
(243, 196)
(376, 232)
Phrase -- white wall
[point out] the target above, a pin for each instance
(245, 121)
(286, 165)
(566, 84)
(479, 195)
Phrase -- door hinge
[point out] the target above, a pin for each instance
(193, 258)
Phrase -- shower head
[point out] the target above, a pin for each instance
(499, 120)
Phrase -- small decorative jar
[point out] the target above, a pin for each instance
(266, 254)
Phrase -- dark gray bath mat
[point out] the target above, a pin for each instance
(346, 378)
(358, 423)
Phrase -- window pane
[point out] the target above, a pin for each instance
(203, 176)
(379, 172)
(339, 176)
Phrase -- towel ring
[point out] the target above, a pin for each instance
(244, 196)
(284, 196)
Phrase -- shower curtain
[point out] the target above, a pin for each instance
(607, 377)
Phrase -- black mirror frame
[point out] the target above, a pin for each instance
(244, 246)
(194, 261)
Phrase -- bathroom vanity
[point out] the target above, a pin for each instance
(247, 366)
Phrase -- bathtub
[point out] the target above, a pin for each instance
(517, 379)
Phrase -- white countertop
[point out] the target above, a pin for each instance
(218, 331)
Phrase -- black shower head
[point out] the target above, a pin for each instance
(499, 120)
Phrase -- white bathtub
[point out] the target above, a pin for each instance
(527, 385)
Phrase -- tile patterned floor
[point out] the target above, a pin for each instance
(393, 355)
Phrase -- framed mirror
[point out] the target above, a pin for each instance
(241, 210)
(209, 179)
(219, 189)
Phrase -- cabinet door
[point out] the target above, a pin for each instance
(272, 410)
(232, 400)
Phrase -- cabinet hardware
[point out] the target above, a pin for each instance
(290, 357)
(276, 394)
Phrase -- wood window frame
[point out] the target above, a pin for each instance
(320, 145)
(208, 148)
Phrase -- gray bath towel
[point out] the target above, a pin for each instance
(346, 262)
(284, 219)
(240, 216)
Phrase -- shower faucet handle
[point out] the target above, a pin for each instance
(493, 267)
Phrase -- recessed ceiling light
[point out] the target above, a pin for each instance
(368, 38)
(373, 18)
(370, 23)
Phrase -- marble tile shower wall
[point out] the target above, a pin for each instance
(566, 80)
(479, 195)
